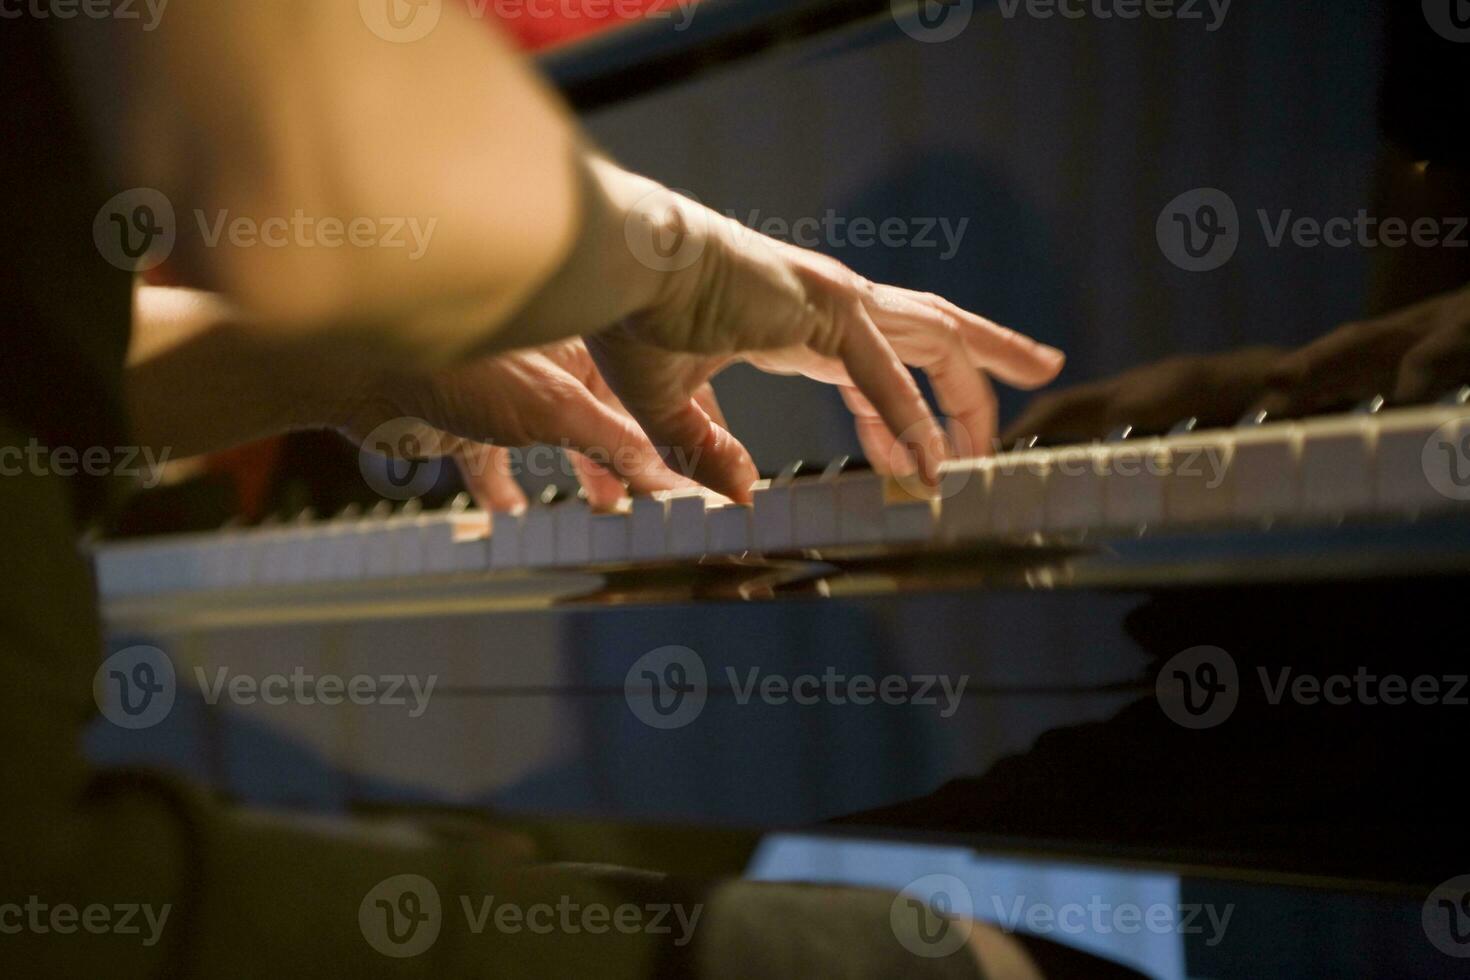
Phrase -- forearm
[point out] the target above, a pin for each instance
(603, 279)
(263, 111)
(200, 377)
(203, 374)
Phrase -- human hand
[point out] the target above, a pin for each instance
(1412, 354)
(738, 295)
(479, 410)
(1216, 388)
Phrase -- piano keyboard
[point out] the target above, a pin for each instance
(1374, 464)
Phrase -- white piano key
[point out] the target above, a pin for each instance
(243, 552)
(214, 567)
(319, 557)
(728, 529)
(772, 517)
(813, 513)
(860, 503)
(538, 537)
(125, 569)
(648, 528)
(1018, 492)
(271, 560)
(1337, 468)
(964, 509)
(349, 558)
(505, 540)
(573, 530)
(407, 540)
(910, 521)
(436, 543)
(377, 548)
(610, 536)
(686, 517)
(470, 550)
(1133, 485)
(1075, 489)
(1264, 475)
(1197, 489)
(299, 541)
(1421, 453)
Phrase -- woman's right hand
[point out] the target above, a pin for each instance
(728, 293)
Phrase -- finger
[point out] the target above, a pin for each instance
(966, 397)
(654, 386)
(1013, 357)
(603, 489)
(879, 374)
(620, 452)
(487, 476)
(1435, 367)
(1353, 362)
(691, 443)
(1076, 413)
(884, 453)
(705, 395)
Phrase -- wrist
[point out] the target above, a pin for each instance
(609, 274)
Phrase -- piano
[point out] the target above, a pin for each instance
(1049, 617)
(1370, 468)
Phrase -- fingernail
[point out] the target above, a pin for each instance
(1054, 355)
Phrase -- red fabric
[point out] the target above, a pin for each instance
(539, 24)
